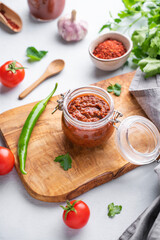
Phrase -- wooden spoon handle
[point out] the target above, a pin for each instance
(32, 86)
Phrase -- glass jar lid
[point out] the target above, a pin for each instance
(138, 141)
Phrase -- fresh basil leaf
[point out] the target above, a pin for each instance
(114, 209)
(34, 54)
(65, 161)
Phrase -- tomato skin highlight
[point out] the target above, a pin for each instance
(10, 79)
(78, 219)
(6, 160)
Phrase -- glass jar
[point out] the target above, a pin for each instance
(87, 134)
(137, 138)
(45, 10)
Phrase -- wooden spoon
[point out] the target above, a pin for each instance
(54, 67)
(10, 18)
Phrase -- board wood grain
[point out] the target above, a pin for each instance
(45, 179)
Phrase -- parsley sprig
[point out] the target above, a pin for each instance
(114, 209)
(116, 88)
(65, 161)
(146, 40)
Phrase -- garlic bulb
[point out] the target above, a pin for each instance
(70, 29)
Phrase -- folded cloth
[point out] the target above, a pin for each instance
(147, 225)
(147, 93)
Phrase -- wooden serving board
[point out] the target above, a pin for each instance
(45, 179)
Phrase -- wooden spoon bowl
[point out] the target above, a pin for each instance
(53, 68)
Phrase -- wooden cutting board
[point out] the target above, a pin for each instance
(45, 179)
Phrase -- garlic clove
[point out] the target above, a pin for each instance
(71, 29)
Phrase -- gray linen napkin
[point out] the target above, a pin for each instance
(147, 225)
(147, 94)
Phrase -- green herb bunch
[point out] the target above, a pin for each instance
(146, 40)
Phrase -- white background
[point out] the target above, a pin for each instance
(21, 216)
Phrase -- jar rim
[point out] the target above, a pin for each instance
(90, 89)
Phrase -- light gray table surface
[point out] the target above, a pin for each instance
(21, 216)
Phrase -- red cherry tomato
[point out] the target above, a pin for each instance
(6, 160)
(11, 73)
(76, 214)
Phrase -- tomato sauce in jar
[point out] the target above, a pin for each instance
(86, 118)
(88, 108)
(46, 9)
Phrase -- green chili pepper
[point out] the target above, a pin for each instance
(28, 127)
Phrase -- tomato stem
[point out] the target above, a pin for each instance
(69, 207)
(12, 67)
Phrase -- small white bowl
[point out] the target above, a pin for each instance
(115, 63)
